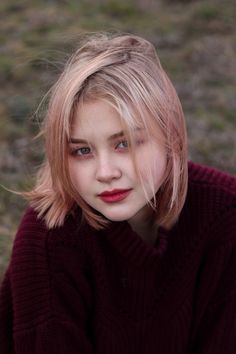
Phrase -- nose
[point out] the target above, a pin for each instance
(107, 169)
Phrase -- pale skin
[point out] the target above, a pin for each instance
(100, 160)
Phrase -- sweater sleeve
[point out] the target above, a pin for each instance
(6, 317)
(215, 308)
(29, 323)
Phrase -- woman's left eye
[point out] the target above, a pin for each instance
(122, 144)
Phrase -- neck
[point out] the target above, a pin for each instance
(146, 228)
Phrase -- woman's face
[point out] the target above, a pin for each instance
(101, 166)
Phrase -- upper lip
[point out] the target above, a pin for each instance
(114, 191)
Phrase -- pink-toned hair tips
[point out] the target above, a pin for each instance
(126, 72)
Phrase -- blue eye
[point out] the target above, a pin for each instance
(83, 151)
(122, 144)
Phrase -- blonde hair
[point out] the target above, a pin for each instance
(125, 71)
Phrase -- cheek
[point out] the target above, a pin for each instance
(77, 176)
(153, 168)
(159, 167)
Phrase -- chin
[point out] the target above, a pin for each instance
(116, 217)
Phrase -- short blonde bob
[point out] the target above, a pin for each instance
(125, 71)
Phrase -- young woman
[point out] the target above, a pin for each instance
(126, 247)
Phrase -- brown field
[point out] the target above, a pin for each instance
(196, 41)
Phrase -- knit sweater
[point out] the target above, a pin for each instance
(74, 290)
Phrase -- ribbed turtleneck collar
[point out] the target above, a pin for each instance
(132, 247)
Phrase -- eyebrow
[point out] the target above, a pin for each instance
(112, 137)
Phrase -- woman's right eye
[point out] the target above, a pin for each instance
(81, 152)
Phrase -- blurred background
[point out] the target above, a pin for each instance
(195, 40)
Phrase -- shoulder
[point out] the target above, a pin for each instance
(29, 244)
(33, 233)
(212, 178)
(211, 189)
(210, 207)
(35, 242)
(30, 269)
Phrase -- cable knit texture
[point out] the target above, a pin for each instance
(73, 290)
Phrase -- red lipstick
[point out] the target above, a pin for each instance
(115, 195)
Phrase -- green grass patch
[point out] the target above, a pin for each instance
(120, 9)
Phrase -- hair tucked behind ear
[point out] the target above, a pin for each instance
(125, 71)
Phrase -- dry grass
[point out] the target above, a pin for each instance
(195, 41)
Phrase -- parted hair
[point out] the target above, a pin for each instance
(125, 71)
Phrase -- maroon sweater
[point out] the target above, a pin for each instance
(73, 290)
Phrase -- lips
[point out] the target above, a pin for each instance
(115, 195)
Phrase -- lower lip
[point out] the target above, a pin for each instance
(117, 197)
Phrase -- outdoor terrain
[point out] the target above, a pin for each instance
(196, 41)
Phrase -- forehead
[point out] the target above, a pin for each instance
(96, 118)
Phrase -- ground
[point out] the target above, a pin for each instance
(196, 44)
